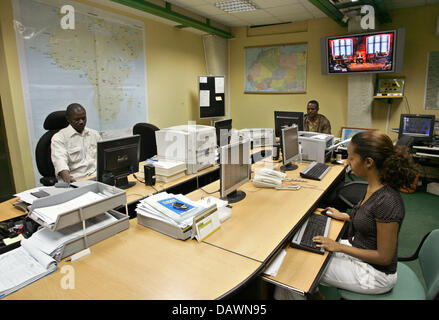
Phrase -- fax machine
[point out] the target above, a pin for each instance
(314, 146)
(193, 144)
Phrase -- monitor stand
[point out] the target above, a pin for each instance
(235, 196)
(122, 182)
(288, 167)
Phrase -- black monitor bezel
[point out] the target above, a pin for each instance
(277, 130)
(216, 123)
(102, 146)
(432, 117)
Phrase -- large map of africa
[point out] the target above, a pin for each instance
(99, 64)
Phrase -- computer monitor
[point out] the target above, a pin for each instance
(290, 147)
(235, 170)
(418, 126)
(223, 130)
(117, 159)
(284, 119)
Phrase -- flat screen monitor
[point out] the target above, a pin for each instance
(418, 126)
(283, 119)
(290, 148)
(117, 159)
(235, 170)
(365, 52)
(223, 130)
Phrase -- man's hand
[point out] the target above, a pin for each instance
(65, 175)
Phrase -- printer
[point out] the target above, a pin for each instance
(315, 146)
(193, 144)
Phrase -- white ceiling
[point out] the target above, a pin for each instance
(273, 11)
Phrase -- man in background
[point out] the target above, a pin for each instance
(74, 147)
(315, 122)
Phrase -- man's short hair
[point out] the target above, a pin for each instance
(314, 102)
(71, 108)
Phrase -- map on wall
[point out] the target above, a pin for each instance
(276, 69)
(99, 64)
(432, 82)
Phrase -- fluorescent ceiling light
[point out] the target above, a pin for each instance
(236, 6)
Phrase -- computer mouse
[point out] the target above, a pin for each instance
(325, 212)
(180, 206)
(62, 185)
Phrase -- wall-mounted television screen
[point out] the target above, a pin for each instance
(366, 52)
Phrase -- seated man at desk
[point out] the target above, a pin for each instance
(74, 147)
(315, 122)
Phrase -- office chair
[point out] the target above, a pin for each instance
(408, 286)
(148, 146)
(54, 122)
(347, 194)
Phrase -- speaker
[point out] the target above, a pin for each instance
(149, 171)
(275, 153)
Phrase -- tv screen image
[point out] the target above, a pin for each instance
(370, 52)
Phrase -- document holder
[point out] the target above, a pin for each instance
(94, 237)
(115, 197)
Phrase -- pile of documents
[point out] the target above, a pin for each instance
(52, 242)
(50, 214)
(169, 170)
(22, 266)
(174, 209)
(166, 170)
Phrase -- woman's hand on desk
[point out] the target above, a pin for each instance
(335, 214)
(326, 243)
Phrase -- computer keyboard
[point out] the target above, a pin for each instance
(315, 171)
(316, 225)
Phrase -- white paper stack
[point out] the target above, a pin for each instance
(50, 214)
(160, 206)
(52, 242)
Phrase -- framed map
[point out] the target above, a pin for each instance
(276, 69)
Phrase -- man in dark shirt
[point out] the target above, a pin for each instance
(315, 122)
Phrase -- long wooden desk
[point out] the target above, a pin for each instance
(265, 219)
(140, 263)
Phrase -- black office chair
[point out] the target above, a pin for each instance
(347, 194)
(148, 146)
(53, 123)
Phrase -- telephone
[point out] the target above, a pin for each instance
(272, 173)
(268, 178)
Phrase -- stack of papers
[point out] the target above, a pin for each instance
(161, 206)
(50, 214)
(169, 170)
(52, 242)
(22, 266)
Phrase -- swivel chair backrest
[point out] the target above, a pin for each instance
(148, 146)
(54, 122)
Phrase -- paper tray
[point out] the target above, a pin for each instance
(165, 228)
(96, 236)
(116, 197)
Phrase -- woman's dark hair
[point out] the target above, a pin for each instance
(394, 164)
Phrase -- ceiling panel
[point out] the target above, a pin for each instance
(272, 11)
